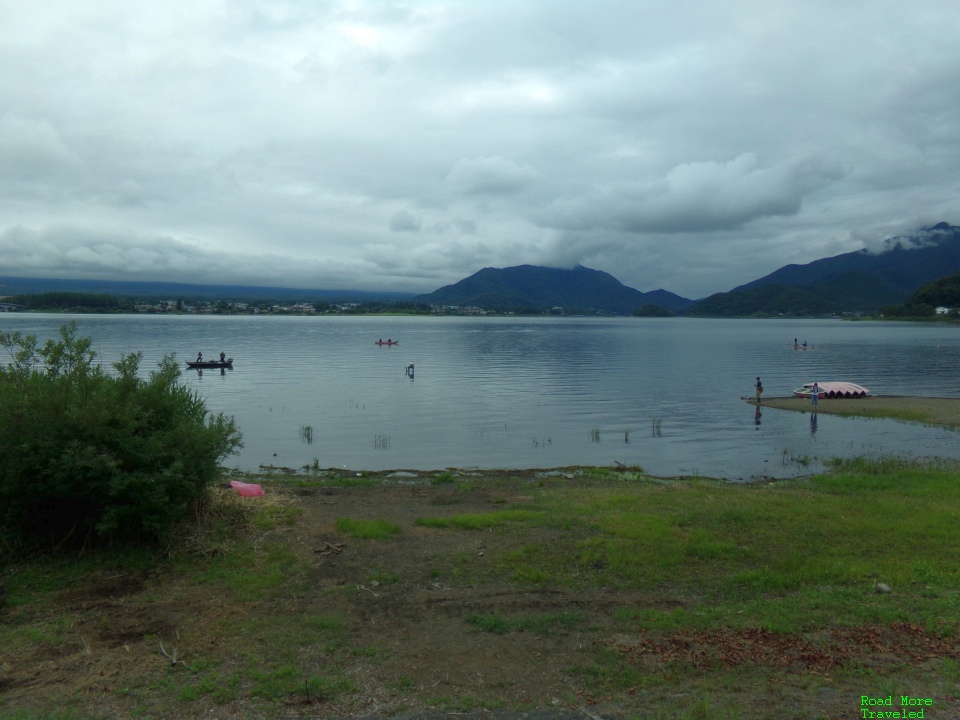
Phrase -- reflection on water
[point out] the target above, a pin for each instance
(666, 395)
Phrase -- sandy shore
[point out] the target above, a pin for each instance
(937, 411)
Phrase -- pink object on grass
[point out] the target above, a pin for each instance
(247, 489)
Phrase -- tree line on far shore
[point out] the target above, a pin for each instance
(942, 293)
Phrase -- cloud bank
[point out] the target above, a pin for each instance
(688, 145)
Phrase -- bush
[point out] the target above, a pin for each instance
(88, 456)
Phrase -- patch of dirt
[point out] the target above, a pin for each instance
(408, 646)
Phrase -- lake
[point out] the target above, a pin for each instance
(498, 392)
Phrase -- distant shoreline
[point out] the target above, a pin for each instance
(928, 410)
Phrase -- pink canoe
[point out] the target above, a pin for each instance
(833, 390)
(246, 489)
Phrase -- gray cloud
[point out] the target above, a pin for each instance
(405, 221)
(403, 146)
(490, 176)
(707, 196)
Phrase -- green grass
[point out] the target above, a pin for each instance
(477, 521)
(541, 624)
(783, 556)
(25, 714)
(378, 529)
(443, 478)
(288, 682)
(800, 556)
(251, 573)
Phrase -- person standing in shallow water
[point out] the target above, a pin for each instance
(759, 388)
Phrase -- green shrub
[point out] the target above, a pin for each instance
(87, 455)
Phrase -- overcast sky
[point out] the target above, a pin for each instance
(690, 146)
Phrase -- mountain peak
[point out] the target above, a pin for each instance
(856, 281)
(534, 287)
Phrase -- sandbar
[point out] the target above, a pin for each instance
(930, 410)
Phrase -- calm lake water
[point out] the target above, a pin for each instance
(664, 394)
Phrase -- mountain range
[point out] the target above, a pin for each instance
(172, 291)
(861, 281)
(531, 287)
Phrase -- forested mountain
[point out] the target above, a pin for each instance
(533, 287)
(858, 281)
(944, 292)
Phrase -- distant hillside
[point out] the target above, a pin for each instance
(532, 287)
(944, 292)
(173, 291)
(858, 281)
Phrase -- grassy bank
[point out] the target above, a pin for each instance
(934, 411)
(607, 591)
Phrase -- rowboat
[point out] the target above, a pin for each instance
(386, 342)
(833, 390)
(228, 363)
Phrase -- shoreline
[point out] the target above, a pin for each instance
(940, 411)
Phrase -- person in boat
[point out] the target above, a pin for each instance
(815, 394)
(223, 357)
(759, 387)
(804, 343)
(200, 356)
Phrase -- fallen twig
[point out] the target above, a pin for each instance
(328, 549)
(173, 658)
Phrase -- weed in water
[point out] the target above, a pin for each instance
(594, 435)
(306, 434)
